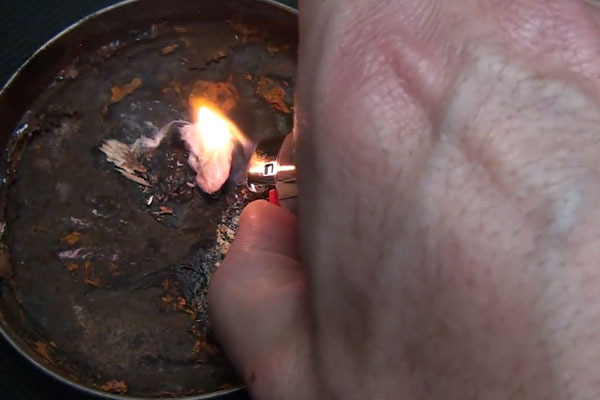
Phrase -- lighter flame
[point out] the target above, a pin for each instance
(213, 130)
(211, 141)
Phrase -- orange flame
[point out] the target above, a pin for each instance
(211, 140)
(215, 125)
(213, 130)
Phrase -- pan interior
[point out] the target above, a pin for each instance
(108, 277)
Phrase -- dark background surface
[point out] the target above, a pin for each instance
(25, 25)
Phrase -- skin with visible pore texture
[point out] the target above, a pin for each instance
(449, 161)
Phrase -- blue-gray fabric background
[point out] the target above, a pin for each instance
(25, 25)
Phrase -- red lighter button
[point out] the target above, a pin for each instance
(274, 197)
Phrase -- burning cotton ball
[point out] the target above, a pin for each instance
(211, 141)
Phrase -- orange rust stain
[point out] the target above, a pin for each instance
(197, 347)
(175, 302)
(115, 386)
(72, 238)
(169, 49)
(95, 281)
(193, 314)
(178, 303)
(202, 345)
(181, 305)
(72, 267)
(117, 93)
(43, 350)
(274, 94)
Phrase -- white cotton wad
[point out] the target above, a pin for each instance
(212, 165)
(210, 140)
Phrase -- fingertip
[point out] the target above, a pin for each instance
(265, 242)
(266, 227)
(253, 212)
(261, 209)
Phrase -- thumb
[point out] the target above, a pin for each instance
(258, 305)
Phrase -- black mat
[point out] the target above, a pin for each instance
(25, 25)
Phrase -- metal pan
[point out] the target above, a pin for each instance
(103, 280)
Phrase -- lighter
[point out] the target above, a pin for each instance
(272, 169)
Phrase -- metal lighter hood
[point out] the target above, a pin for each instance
(273, 166)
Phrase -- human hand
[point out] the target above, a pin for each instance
(449, 161)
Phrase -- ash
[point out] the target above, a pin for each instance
(194, 274)
(165, 183)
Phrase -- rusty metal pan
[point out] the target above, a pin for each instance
(102, 280)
